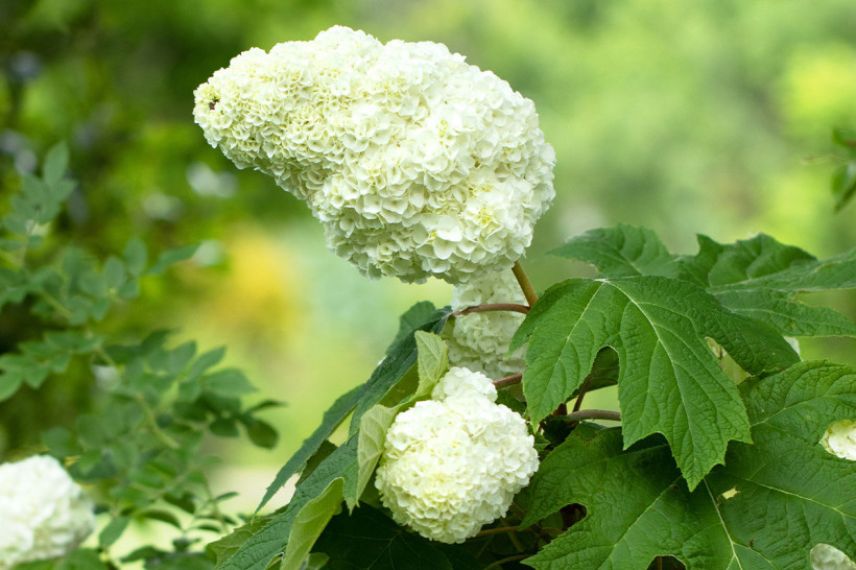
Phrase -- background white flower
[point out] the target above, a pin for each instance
(479, 341)
(840, 439)
(453, 464)
(417, 163)
(43, 513)
(826, 557)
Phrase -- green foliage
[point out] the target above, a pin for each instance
(658, 327)
(343, 474)
(432, 362)
(844, 178)
(761, 278)
(783, 484)
(139, 446)
(650, 307)
(368, 540)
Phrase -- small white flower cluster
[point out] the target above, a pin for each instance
(826, 557)
(480, 341)
(43, 513)
(840, 439)
(417, 163)
(453, 464)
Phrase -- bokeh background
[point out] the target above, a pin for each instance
(685, 116)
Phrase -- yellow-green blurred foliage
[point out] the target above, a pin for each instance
(685, 116)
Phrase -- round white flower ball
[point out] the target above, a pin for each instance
(840, 439)
(480, 341)
(417, 163)
(43, 513)
(453, 464)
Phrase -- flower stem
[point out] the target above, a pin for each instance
(525, 284)
(497, 530)
(593, 415)
(508, 381)
(487, 307)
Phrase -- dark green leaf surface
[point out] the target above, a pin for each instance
(331, 420)
(622, 251)
(368, 540)
(669, 381)
(765, 509)
(761, 278)
(257, 552)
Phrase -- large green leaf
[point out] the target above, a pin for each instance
(320, 486)
(331, 420)
(669, 380)
(622, 251)
(758, 278)
(766, 508)
(401, 357)
(761, 278)
(368, 540)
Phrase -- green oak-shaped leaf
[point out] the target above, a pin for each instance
(622, 251)
(758, 278)
(765, 508)
(762, 278)
(369, 540)
(669, 381)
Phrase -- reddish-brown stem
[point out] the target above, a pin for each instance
(508, 381)
(525, 284)
(492, 307)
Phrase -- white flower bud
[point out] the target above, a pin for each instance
(453, 464)
(417, 163)
(43, 513)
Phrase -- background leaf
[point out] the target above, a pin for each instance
(621, 251)
(783, 485)
(659, 328)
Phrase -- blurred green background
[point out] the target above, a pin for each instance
(688, 116)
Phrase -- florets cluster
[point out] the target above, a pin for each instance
(417, 163)
(840, 439)
(480, 341)
(44, 513)
(453, 464)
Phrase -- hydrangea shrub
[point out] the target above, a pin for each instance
(472, 444)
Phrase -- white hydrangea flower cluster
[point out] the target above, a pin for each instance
(43, 513)
(826, 557)
(454, 463)
(480, 341)
(840, 439)
(417, 163)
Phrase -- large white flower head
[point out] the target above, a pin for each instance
(417, 163)
(453, 464)
(43, 513)
(480, 341)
